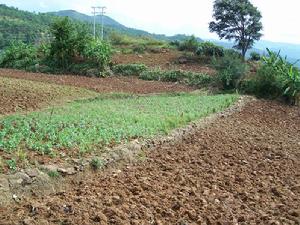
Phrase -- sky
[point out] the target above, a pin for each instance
(280, 18)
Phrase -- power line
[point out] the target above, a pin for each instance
(102, 23)
(101, 12)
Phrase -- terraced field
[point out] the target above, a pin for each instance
(19, 95)
(240, 168)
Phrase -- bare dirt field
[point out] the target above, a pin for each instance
(22, 95)
(243, 169)
(102, 85)
(167, 60)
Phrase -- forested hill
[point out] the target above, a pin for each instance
(113, 24)
(21, 25)
(31, 27)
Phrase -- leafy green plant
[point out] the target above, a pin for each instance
(53, 174)
(139, 48)
(19, 56)
(62, 48)
(129, 69)
(230, 70)
(12, 164)
(99, 52)
(255, 56)
(190, 44)
(96, 163)
(275, 78)
(189, 78)
(284, 75)
(209, 49)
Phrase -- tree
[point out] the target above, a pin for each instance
(237, 20)
(62, 47)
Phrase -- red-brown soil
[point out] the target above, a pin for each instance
(242, 169)
(164, 60)
(102, 85)
(21, 95)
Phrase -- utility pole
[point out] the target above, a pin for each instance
(97, 13)
(102, 22)
(94, 13)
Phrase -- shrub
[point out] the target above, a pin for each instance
(230, 70)
(191, 44)
(276, 78)
(189, 78)
(98, 52)
(96, 163)
(255, 56)
(62, 48)
(210, 49)
(139, 48)
(19, 56)
(129, 69)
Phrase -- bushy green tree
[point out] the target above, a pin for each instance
(209, 49)
(230, 70)
(19, 56)
(64, 39)
(237, 20)
(189, 44)
(98, 52)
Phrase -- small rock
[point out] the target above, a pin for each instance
(67, 171)
(32, 172)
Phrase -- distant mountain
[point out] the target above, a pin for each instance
(111, 23)
(89, 19)
(291, 51)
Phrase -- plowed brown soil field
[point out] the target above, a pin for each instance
(242, 169)
(22, 95)
(102, 85)
(167, 61)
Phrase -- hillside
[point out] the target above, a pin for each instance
(110, 23)
(21, 25)
(30, 27)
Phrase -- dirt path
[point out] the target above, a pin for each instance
(243, 169)
(102, 85)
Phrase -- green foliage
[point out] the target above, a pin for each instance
(12, 164)
(53, 174)
(18, 25)
(96, 163)
(276, 78)
(190, 44)
(87, 125)
(139, 48)
(98, 52)
(189, 78)
(19, 56)
(129, 69)
(209, 49)
(230, 70)
(237, 20)
(255, 56)
(63, 48)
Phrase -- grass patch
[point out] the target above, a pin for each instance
(85, 125)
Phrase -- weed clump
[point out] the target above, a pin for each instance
(96, 163)
(129, 69)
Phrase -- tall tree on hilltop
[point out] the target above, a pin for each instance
(237, 20)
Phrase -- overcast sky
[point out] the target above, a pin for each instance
(280, 18)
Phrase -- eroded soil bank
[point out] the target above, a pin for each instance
(243, 169)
